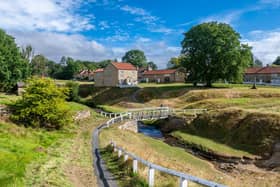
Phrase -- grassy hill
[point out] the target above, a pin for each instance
(38, 157)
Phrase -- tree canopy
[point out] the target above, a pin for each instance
(258, 63)
(277, 61)
(152, 65)
(135, 57)
(176, 62)
(13, 67)
(214, 52)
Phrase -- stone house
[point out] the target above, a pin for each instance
(165, 76)
(85, 75)
(117, 74)
(262, 75)
(98, 77)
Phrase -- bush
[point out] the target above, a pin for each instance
(73, 94)
(42, 105)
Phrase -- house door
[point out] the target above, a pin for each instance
(166, 79)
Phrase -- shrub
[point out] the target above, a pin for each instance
(73, 94)
(42, 105)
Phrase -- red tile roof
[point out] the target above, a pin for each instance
(269, 70)
(263, 70)
(159, 72)
(123, 66)
(99, 70)
(252, 70)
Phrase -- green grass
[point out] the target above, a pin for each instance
(19, 146)
(209, 145)
(121, 170)
(22, 148)
(114, 109)
(7, 99)
(162, 154)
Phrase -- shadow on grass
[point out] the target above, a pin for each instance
(121, 170)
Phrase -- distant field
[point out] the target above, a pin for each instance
(80, 82)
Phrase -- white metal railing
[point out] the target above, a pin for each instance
(142, 114)
(184, 178)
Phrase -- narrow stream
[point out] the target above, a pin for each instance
(150, 131)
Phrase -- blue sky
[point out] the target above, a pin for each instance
(102, 29)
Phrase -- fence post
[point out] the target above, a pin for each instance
(125, 157)
(151, 177)
(183, 182)
(135, 165)
(119, 153)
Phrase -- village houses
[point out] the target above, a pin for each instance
(263, 75)
(116, 74)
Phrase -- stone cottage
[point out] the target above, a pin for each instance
(263, 75)
(164, 76)
(116, 74)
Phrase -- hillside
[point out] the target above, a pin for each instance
(38, 157)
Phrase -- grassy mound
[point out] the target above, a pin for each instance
(253, 132)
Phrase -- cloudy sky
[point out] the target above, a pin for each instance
(106, 29)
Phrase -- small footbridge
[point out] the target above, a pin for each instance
(105, 178)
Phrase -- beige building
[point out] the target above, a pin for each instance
(164, 76)
(263, 75)
(116, 74)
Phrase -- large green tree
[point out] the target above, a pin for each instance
(152, 65)
(39, 66)
(277, 61)
(214, 52)
(135, 57)
(27, 52)
(13, 67)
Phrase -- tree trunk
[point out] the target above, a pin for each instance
(208, 84)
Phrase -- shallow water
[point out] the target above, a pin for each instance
(149, 131)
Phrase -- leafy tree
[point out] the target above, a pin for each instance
(73, 94)
(39, 66)
(42, 105)
(258, 63)
(176, 62)
(277, 61)
(135, 57)
(27, 53)
(213, 51)
(71, 68)
(13, 67)
(152, 65)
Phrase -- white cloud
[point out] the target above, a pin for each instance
(143, 39)
(142, 15)
(229, 17)
(55, 45)
(48, 15)
(164, 30)
(266, 44)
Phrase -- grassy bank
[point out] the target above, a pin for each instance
(160, 153)
(37, 157)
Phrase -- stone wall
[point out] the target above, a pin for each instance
(130, 126)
